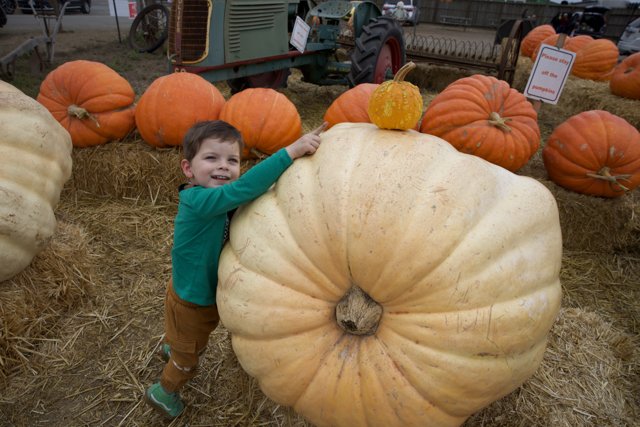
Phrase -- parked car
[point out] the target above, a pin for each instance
(592, 21)
(404, 11)
(83, 6)
(630, 39)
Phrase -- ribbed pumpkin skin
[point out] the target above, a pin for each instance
(574, 44)
(351, 106)
(107, 97)
(534, 37)
(35, 160)
(463, 257)
(463, 114)
(266, 118)
(594, 143)
(625, 80)
(596, 60)
(172, 104)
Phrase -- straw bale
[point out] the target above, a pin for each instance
(589, 377)
(580, 95)
(32, 303)
(130, 169)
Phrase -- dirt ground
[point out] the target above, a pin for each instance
(95, 364)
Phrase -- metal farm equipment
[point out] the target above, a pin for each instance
(246, 43)
(499, 58)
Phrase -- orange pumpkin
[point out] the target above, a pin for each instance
(596, 60)
(574, 44)
(533, 39)
(396, 104)
(483, 116)
(266, 118)
(172, 104)
(351, 106)
(625, 80)
(595, 153)
(90, 100)
(552, 40)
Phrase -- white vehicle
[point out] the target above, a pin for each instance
(403, 11)
(630, 39)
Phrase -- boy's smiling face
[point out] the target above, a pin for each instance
(217, 163)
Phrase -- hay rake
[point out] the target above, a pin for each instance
(499, 59)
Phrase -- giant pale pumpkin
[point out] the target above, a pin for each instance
(266, 118)
(35, 162)
(625, 80)
(93, 102)
(596, 60)
(533, 39)
(172, 104)
(595, 153)
(483, 116)
(390, 280)
(351, 106)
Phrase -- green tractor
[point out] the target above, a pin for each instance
(247, 42)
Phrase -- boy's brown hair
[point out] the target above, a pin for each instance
(214, 129)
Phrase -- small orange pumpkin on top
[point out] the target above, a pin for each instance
(396, 104)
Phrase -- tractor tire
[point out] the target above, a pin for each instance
(378, 51)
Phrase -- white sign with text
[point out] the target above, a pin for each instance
(549, 74)
(299, 34)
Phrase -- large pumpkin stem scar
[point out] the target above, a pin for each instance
(499, 122)
(605, 175)
(81, 113)
(357, 313)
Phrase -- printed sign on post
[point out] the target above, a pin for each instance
(549, 74)
(132, 10)
(299, 34)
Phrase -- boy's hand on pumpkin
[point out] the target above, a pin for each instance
(306, 144)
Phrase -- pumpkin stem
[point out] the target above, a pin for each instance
(605, 175)
(259, 154)
(357, 313)
(402, 72)
(81, 113)
(499, 122)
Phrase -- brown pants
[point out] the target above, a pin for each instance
(187, 327)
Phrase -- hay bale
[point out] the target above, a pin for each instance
(128, 170)
(32, 303)
(588, 377)
(133, 170)
(591, 223)
(580, 95)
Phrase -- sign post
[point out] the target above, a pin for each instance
(549, 73)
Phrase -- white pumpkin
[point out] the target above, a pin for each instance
(35, 162)
(389, 280)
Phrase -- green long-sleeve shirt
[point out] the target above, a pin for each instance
(200, 227)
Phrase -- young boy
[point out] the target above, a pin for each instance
(212, 165)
